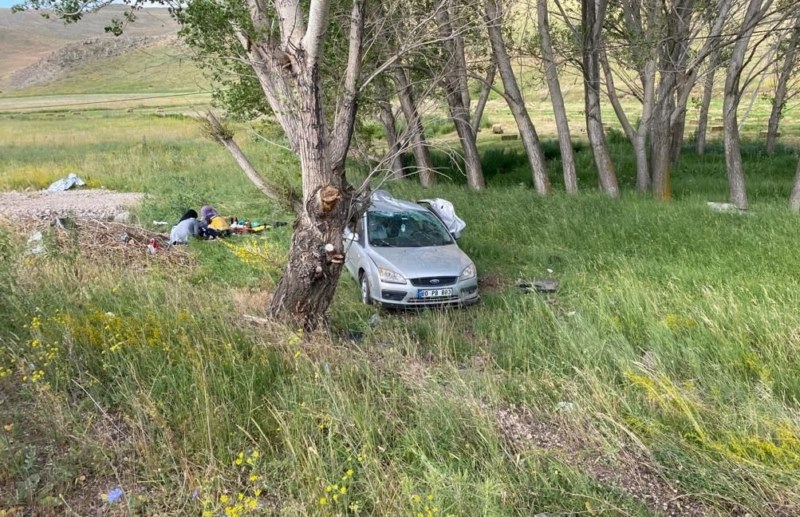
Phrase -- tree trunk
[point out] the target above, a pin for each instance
(644, 128)
(457, 96)
(393, 150)
(708, 92)
(733, 152)
(486, 87)
(676, 132)
(794, 198)
(513, 95)
(419, 144)
(638, 136)
(306, 288)
(556, 97)
(779, 101)
(592, 15)
(660, 148)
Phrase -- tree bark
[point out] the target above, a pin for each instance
(557, 99)
(457, 96)
(733, 152)
(794, 198)
(592, 15)
(779, 101)
(419, 144)
(513, 95)
(393, 151)
(708, 92)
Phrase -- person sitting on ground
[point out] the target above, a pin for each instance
(186, 227)
(214, 224)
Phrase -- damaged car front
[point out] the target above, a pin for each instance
(402, 255)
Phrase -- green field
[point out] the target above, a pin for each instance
(666, 365)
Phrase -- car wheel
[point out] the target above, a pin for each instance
(366, 297)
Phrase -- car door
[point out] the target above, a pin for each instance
(354, 247)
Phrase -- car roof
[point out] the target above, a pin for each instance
(385, 202)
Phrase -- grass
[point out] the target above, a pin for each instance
(671, 347)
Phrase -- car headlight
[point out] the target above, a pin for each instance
(390, 277)
(468, 272)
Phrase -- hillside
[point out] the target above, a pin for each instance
(36, 51)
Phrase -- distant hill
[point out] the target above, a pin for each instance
(39, 55)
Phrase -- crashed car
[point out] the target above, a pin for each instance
(403, 254)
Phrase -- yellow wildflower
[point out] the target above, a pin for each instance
(323, 501)
(224, 499)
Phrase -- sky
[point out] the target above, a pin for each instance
(8, 3)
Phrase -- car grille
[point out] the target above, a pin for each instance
(434, 281)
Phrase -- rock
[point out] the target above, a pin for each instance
(497, 129)
(724, 208)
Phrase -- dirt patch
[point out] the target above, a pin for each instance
(88, 203)
(629, 470)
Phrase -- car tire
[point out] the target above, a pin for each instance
(366, 297)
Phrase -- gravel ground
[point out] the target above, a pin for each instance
(85, 203)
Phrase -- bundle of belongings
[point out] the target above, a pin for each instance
(210, 225)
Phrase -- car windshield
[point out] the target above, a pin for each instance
(410, 229)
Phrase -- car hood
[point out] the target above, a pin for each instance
(422, 262)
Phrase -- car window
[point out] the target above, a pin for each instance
(408, 229)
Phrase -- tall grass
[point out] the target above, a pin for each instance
(672, 342)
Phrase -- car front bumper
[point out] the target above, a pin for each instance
(462, 292)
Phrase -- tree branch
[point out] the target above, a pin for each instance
(223, 136)
(317, 21)
(345, 115)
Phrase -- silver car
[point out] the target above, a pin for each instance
(402, 255)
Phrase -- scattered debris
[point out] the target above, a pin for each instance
(152, 246)
(256, 319)
(114, 495)
(374, 320)
(123, 217)
(107, 241)
(35, 244)
(72, 180)
(541, 286)
(565, 406)
(160, 223)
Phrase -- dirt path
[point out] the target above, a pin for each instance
(95, 204)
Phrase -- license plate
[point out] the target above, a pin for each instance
(434, 293)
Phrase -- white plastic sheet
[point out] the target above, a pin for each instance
(66, 183)
(447, 213)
